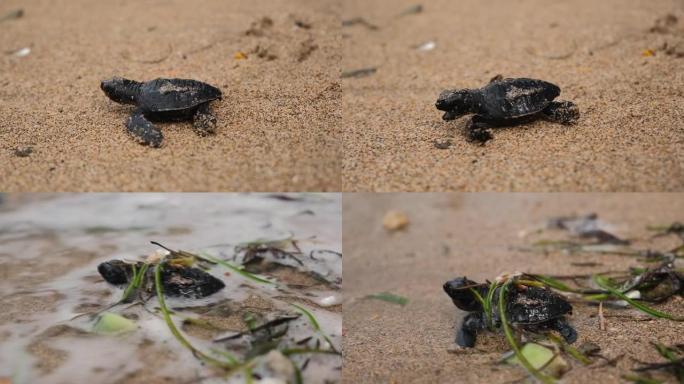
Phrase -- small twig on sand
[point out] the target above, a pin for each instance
(608, 362)
(363, 72)
(359, 21)
(602, 319)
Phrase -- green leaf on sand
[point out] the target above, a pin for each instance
(112, 324)
(543, 359)
(390, 298)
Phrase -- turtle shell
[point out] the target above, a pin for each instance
(532, 305)
(513, 98)
(162, 95)
(176, 280)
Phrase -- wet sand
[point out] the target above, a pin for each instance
(48, 275)
(629, 137)
(474, 235)
(278, 120)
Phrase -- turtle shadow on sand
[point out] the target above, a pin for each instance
(506, 103)
(163, 100)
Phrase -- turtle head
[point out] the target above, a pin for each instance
(115, 272)
(455, 103)
(121, 90)
(460, 292)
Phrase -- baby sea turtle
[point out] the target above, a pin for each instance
(163, 100)
(176, 280)
(532, 309)
(506, 102)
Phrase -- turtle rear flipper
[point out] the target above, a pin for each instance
(204, 121)
(564, 112)
(143, 130)
(566, 330)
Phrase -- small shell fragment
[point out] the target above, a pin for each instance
(427, 46)
(395, 220)
(329, 301)
(22, 52)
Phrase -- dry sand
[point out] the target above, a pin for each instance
(630, 136)
(452, 235)
(278, 120)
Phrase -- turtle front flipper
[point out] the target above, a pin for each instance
(566, 330)
(204, 120)
(467, 333)
(477, 130)
(143, 130)
(564, 112)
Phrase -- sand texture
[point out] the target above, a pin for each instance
(631, 133)
(278, 119)
(475, 235)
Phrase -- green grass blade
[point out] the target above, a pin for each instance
(176, 333)
(478, 297)
(604, 284)
(316, 326)
(390, 298)
(485, 308)
(554, 283)
(511, 340)
(232, 359)
(488, 301)
(136, 281)
(248, 375)
(666, 352)
(235, 268)
(131, 286)
(298, 373)
(572, 351)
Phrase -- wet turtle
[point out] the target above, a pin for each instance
(528, 308)
(163, 100)
(506, 102)
(176, 280)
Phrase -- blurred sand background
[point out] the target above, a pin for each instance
(452, 235)
(278, 120)
(627, 83)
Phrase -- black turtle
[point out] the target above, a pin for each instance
(163, 100)
(506, 102)
(529, 308)
(176, 280)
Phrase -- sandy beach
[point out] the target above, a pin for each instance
(479, 236)
(626, 79)
(276, 62)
